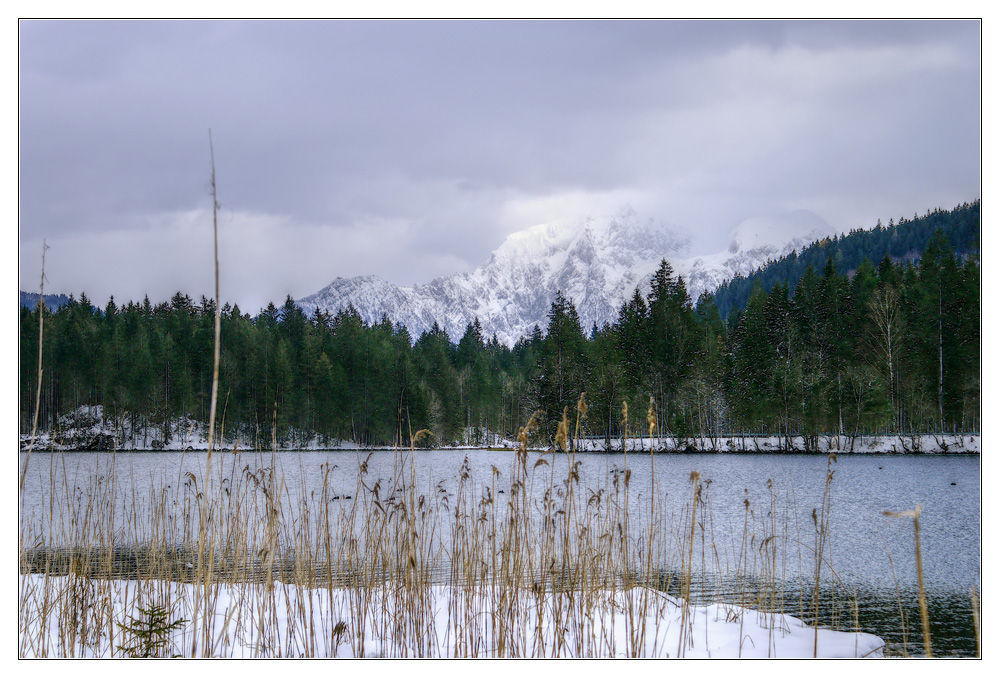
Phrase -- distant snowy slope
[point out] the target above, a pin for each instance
(778, 236)
(752, 244)
(596, 263)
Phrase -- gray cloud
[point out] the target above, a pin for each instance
(410, 150)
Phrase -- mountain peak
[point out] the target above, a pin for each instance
(596, 262)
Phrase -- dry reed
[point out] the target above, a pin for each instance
(38, 390)
(522, 566)
(924, 618)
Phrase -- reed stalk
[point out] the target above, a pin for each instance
(685, 634)
(38, 390)
(205, 502)
(821, 522)
(975, 621)
(924, 616)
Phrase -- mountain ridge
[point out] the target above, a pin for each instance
(30, 300)
(596, 263)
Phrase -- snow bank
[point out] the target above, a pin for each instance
(930, 443)
(87, 428)
(432, 621)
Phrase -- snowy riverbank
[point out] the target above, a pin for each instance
(89, 429)
(927, 443)
(429, 621)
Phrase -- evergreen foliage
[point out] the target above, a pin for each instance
(900, 241)
(822, 345)
(149, 635)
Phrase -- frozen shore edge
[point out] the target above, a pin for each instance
(87, 429)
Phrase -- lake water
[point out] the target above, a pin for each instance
(872, 556)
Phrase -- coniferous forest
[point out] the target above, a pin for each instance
(877, 331)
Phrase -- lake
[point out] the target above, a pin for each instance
(744, 498)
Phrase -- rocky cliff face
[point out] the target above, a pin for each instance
(596, 263)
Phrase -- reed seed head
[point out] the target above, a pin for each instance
(562, 431)
(913, 513)
(421, 435)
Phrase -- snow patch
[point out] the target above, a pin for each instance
(429, 621)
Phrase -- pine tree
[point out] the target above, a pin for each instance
(564, 367)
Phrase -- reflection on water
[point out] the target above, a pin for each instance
(896, 619)
(747, 499)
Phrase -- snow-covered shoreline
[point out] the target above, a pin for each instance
(87, 429)
(426, 621)
(925, 443)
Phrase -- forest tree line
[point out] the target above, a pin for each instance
(893, 347)
(900, 240)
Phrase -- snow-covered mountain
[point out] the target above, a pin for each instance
(597, 263)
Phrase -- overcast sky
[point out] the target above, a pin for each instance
(410, 150)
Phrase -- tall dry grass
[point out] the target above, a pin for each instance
(527, 561)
